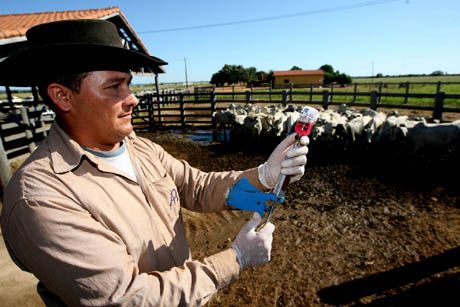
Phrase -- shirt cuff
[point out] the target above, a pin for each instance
(253, 176)
(226, 265)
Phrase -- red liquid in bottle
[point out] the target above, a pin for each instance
(302, 128)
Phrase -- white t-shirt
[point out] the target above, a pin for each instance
(118, 158)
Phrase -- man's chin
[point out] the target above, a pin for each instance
(125, 131)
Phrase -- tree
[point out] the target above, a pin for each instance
(262, 77)
(437, 73)
(232, 74)
(250, 75)
(217, 79)
(296, 68)
(331, 76)
(271, 76)
(327, 68)
(343, 79)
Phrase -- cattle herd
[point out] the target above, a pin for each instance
(343, 128)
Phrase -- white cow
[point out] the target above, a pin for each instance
(442, 138)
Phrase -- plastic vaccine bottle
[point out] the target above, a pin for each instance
(302, 127)
(306, 121)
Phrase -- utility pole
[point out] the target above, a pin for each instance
(186, 79)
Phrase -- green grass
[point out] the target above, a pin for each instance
(452, 78)
(303, 95)
(364, 85)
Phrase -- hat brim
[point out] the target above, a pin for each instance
(33, 65)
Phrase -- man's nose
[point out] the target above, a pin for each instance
(132, 100)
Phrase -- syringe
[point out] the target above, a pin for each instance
(303, 127)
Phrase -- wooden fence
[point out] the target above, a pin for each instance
(406, 86)
(21, 127)
(185, 111)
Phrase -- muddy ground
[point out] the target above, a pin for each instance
(357, 229)
(353, 231)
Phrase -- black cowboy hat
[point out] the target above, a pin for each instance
(72, 46)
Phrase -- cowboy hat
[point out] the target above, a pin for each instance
(72, 46)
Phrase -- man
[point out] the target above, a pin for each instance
(94, 213)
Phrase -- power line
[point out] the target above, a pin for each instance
(262, 19)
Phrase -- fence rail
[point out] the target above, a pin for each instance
(184, 110)
(21, 127)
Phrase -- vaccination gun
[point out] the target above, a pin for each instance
(245, 196)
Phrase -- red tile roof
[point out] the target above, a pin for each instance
(298, 72)
(16, 25)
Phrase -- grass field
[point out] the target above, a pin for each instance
(453, 78)
(419, 85)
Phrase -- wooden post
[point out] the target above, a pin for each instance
(35, 94)
(407, 92)
(157, 85)
(9, 97)
(438, 105)
(213, 108)
(5, 170)
(311, 92)
(374, 100)
(29, 131)
(325, 99)
(438, 87)
(270, 94)
(285, 98)
(182, 110)
(157, 90)
(290, 91)
(148, 100)
(332, 93)
(233, 92)
(35, 102)
(355, 88)
(159, 109)
(380, 92)
(248, 97)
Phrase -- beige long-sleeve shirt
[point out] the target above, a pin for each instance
(92, 236)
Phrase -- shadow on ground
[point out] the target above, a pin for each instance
(441, 289)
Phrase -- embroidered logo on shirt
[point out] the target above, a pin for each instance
(173, 197)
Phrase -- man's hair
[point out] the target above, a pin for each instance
(71, 81)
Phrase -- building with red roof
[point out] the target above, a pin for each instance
(298, 78)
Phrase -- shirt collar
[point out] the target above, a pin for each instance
(66, 153)
(108, 154)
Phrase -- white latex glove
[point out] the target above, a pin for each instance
(253, 247)
(285, 159)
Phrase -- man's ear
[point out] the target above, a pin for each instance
(61, 96)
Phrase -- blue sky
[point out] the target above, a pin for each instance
(356, 37)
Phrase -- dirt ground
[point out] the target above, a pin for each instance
(352, 232)
(349, 233)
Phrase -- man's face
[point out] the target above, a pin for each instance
(102, 110)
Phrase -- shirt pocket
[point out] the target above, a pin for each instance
(163, 194)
